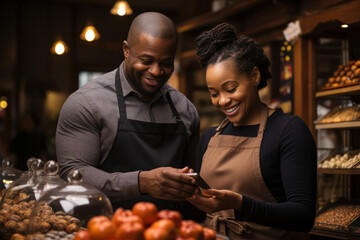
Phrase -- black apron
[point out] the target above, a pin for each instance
(144, 146)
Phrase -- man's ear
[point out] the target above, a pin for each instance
(126, 49)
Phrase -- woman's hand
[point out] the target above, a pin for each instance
(212, 200)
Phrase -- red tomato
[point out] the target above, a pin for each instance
(146, 211)
(157, 234)
(96, 219)
(130, 231)
(190, 228)
(122, 216)
(172, 215)
(102, 229)
(82, 235)
(166, 224)
(183, 238)
(209, 234)
(119, 211)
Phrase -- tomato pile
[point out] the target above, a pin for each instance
(144, 222)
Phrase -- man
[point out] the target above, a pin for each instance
(129, 133)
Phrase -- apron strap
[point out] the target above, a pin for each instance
(221, 126)
(263, 120)
(173, 109)
(121, 101)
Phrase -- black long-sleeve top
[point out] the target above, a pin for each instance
(288, 165)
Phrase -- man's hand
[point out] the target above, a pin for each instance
(167, 183)
(212, 200)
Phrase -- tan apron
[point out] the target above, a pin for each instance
(233, 163)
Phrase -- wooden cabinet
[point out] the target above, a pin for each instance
(335, 184)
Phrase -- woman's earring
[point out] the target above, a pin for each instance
(257, 83)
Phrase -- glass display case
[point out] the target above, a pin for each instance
(18, 200)
(62, 211)
(337, 124)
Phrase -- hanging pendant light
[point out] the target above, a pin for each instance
(59, 48)
(121, 8)
(89, 34)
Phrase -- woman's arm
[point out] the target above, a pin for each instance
(298, 160)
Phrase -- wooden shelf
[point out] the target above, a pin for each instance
(339, 171)
(344, 125)
(331, 234)
(213, 17)
(351, 90)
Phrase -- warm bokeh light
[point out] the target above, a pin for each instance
(59, 48)
(344, 25)
(121, 8)
(3, 104)
(121, 11)
(89, 34)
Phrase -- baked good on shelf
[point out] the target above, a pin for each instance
(344, 76)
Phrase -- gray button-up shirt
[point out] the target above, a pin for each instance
(87, 128)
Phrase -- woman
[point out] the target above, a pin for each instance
(260, 162)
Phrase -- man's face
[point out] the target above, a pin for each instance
(149, 63)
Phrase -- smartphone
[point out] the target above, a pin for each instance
(200, 182)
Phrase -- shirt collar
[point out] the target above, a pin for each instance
(127, 88)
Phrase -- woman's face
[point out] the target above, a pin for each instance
(234, 93)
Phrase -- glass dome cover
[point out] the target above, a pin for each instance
(22, 188)
(18, 200)
(48, 180)
(62, 211)
(24, 177)
(8, 173)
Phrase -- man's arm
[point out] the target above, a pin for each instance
(78, 147)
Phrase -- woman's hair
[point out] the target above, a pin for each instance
(222, 43)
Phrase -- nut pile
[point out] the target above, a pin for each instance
(15, 216)
(344, 161)
(345, 75)
(46, 220)
(53, 235)
(338, 218)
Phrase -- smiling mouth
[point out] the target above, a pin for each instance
(152, 79)
(153, 82)
(232, 109)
